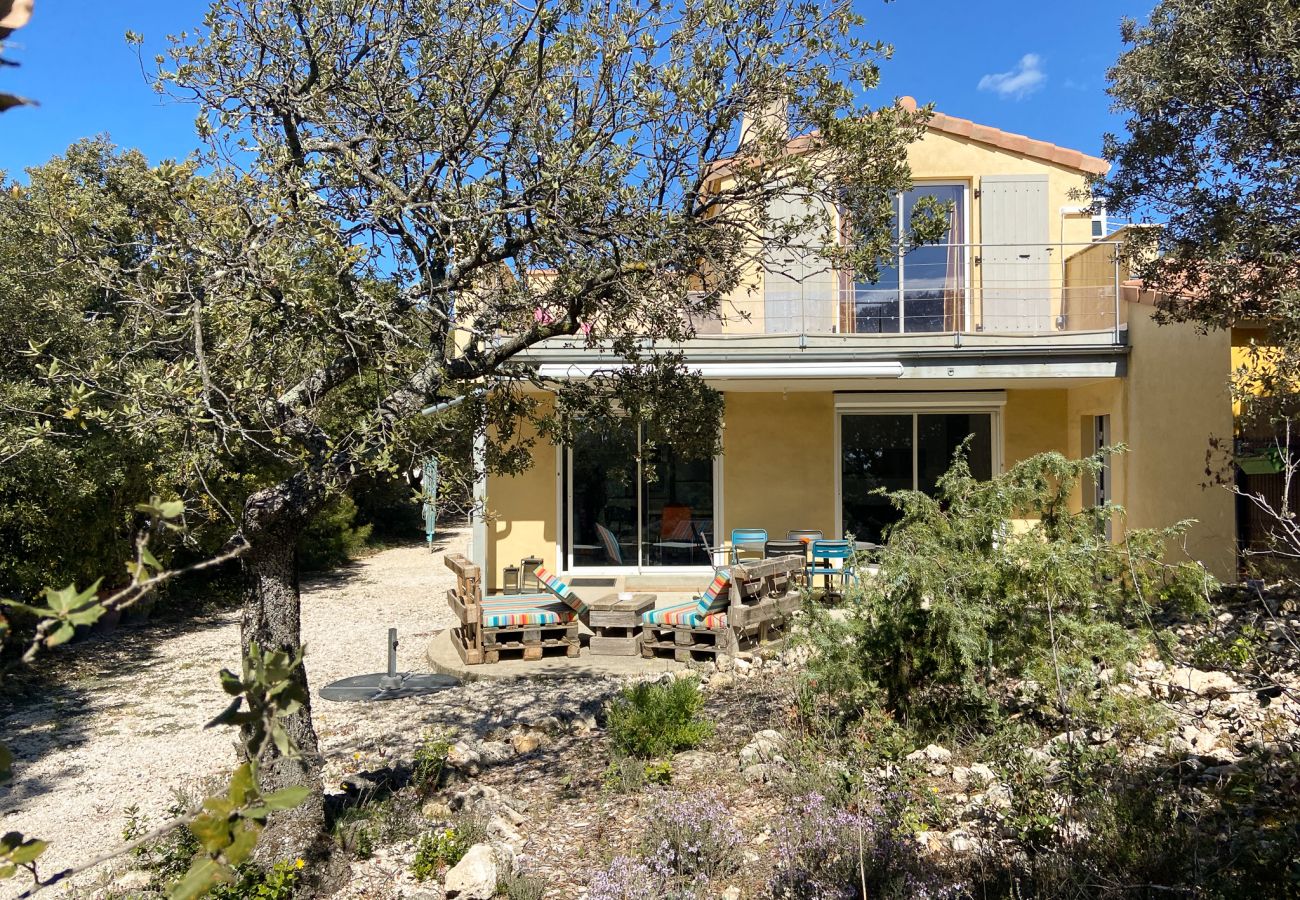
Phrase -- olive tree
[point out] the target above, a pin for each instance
(1209, 91)
(396, 199)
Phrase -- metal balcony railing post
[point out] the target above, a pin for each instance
(1114, 256)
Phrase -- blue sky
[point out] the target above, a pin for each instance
(1031, 67)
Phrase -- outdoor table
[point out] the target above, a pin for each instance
(616, 623)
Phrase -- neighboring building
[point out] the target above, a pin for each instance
(1016, 329)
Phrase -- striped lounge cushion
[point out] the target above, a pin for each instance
(718, 595)
(515, 610)
(687, 615)
(559, 588)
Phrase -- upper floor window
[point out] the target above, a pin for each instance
(1099, 225)
(922, 288)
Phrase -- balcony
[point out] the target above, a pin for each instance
(938, 294)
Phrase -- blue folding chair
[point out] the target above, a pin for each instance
(747, 540)
(824, 555)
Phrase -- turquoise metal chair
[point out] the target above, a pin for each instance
(747, 540)
(824, 555)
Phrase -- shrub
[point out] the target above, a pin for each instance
(961, 595)
(659, 772)
(830, 852)
(169, 857)
(276, 883)
(429, 763)
(627, 775)
(445, 847)
(651, 719)
(332, 537)
(627, 878)
(522, 887)
(691, 837)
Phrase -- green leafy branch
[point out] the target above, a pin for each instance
(228, 827)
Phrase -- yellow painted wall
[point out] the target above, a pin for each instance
(521, 517)
(945, 157)
(778, 462)
(1177, 398)
(1033, 421)
(779, 453)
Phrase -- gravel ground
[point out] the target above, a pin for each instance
(124, 723)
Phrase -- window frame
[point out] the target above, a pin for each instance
(991, 403)
(900, 265)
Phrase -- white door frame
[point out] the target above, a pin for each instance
(913, 404)
(564, 522)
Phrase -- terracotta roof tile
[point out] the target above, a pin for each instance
(1013, 143)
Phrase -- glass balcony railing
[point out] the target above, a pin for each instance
(996, 289)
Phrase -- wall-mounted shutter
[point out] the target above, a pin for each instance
(798, 283)
(1015, 255)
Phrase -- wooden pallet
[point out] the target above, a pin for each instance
(687, 644)
(518, 642)
(616, 624)
(703, 644)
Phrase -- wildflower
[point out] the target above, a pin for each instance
(299, 863)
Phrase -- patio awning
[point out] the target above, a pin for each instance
(745, 370)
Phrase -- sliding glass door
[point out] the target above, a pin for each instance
(902, 451)
(630, 505)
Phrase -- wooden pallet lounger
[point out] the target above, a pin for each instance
(529, 624)
(745, 603)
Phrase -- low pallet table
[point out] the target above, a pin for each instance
(616, 624)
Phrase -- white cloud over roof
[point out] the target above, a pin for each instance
(1027, 77)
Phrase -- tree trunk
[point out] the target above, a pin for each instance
(273, 520)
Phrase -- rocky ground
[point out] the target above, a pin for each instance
(528, 761)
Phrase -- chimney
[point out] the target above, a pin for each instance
(774, 115)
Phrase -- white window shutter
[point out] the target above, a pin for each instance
(1015, 257)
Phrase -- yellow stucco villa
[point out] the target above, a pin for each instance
(1018, 329)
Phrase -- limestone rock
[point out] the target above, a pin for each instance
(983, 773)
(462, 756)
(437, 810)
(494, 751)
(763, 773)
(1205, 684)
(932, 753)
(692, 761)
(764, 747)
(475, 877)
(527, 741)
(929, 841)
(502, 829)
(962, 842)
(998, 796)
(132, 881)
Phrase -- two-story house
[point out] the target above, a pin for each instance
(1017, 328)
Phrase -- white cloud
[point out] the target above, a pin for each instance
(1027, 77)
